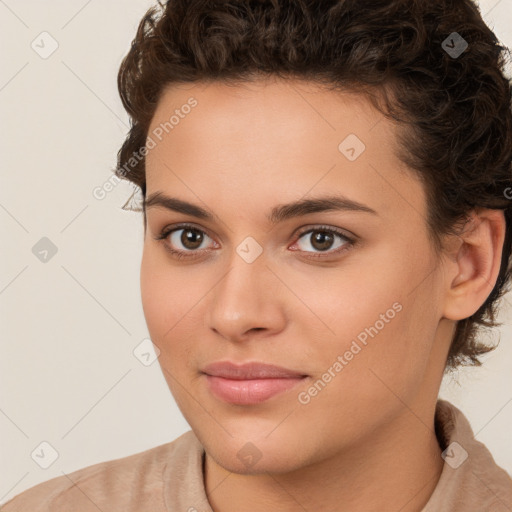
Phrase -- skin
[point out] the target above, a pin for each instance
(366, 441)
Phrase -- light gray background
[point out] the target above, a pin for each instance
(68, 375)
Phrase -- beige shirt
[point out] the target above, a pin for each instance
(169, 478)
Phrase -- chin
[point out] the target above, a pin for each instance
(277, 462)
(252, 455)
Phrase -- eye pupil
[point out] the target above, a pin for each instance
(188, 236)
(324, 239)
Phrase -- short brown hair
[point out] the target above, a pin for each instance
(455, 108)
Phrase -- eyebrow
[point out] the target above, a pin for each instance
(279, 213)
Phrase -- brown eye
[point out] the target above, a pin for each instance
(323, 240)
(191, 238)
(184, 240)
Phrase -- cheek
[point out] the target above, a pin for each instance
(170, 302)
(345, 304)
(153, 282)
(375, 376)
(167, 293)
(374, 316)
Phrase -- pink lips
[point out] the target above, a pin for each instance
(250, 383)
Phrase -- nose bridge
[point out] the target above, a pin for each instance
(243, 299)
(239, 287)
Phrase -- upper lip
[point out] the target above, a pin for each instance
(253, 370)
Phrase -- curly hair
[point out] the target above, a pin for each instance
(454, 110)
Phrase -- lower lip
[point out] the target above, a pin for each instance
(247, 392)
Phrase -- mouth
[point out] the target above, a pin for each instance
(250, 383)
(249, 391)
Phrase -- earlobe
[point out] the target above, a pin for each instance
(477, 264)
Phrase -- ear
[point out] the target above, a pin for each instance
(474, 264)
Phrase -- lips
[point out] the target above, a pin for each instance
(246, 371)
(250, 383)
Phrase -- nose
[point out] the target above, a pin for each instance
(247, 300)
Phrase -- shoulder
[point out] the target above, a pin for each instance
(471, 479)
(120, 484)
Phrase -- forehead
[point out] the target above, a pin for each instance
(274, 138)
(265, 108)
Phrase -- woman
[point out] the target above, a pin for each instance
(327, 223)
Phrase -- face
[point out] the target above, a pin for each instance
(348, 297)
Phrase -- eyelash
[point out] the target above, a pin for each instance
(194, 254)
